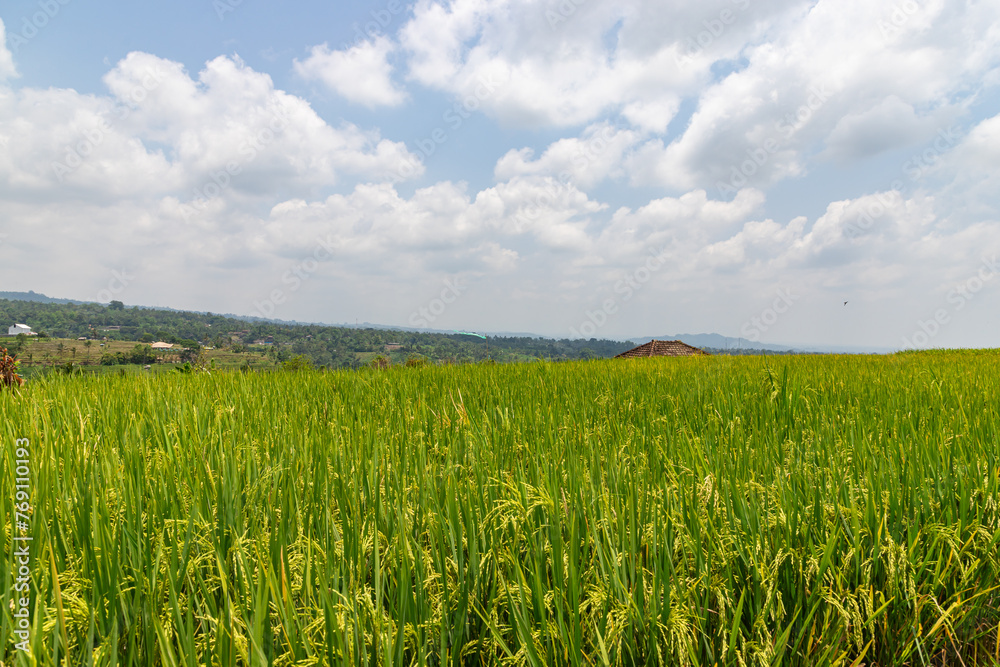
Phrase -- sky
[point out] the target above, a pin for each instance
(816, 172)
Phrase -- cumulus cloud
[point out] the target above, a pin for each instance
(652, 115)
(571, 63)
(666, 125)
(514, 242)
(228, 133)
(585, 161)
(439, 225)
(963, 169)
(834, 76)
(981, 148)
(7, 69)
(361, 74)
(793, 78)
(555, 74)
(889, 124)
(549, 232)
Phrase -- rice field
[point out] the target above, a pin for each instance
(704, 511)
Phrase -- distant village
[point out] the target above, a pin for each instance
(18, 329)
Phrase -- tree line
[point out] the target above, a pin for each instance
(322, 345)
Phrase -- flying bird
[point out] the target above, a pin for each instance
(845, 303)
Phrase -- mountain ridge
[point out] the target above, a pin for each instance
(713, 341)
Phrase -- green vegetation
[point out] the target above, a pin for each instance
(331, 347)
(697, 511)
(140, 354)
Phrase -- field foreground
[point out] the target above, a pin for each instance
(731, 511)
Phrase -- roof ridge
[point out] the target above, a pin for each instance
(662, 348)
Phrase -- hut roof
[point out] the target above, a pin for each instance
(662, 348)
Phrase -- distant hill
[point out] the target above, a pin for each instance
(389, 327)
(709, 341)
(718, 342)
(35, 297)
(322, 344)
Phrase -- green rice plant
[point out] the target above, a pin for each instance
(705, 511)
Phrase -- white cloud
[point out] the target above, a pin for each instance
(227, 133)
(829, 77)
(796, 76)
(981, 148)
(570, 63)
(361, 74)
(859, 78)
(514, 242)
(679, 227)
(7, 69)
(583, 161)
(889, 124)
(556, 74)
(653, 115)
(382, 231)
(765, 90)
(965, 168)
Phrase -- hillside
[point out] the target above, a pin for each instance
(34, 296)
(333, 347)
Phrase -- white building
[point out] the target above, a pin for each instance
(20, 329)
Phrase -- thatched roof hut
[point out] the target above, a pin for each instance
(662, 348)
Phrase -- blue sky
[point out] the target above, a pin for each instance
(566, 167)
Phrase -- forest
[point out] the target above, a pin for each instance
(322, 345)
